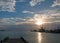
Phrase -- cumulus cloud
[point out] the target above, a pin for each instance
(57, 2)
(34, 2)
(7, 5)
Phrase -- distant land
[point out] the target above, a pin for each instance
(47, 31)
(2, 30)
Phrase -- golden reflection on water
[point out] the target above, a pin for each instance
(39, 37)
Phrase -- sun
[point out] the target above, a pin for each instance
(39, 22)
(40, 19)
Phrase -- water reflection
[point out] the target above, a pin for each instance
(39, 37)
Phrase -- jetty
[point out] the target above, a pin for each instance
(13, 40)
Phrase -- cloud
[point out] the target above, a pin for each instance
(7, 5)
(34, 2)
(53, 15)
(53, 18)
(11, 21)
(57, 2)
(17, 21)
(49, 18)
(25, 11)
(50, 15)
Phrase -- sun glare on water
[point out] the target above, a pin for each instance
(39, 37)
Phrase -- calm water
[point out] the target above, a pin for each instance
(32, 37)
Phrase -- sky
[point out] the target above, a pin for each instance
(16, 12)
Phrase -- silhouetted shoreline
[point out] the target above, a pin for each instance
(13, 40)
(47, 31)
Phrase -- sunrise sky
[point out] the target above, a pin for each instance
(16, 12)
